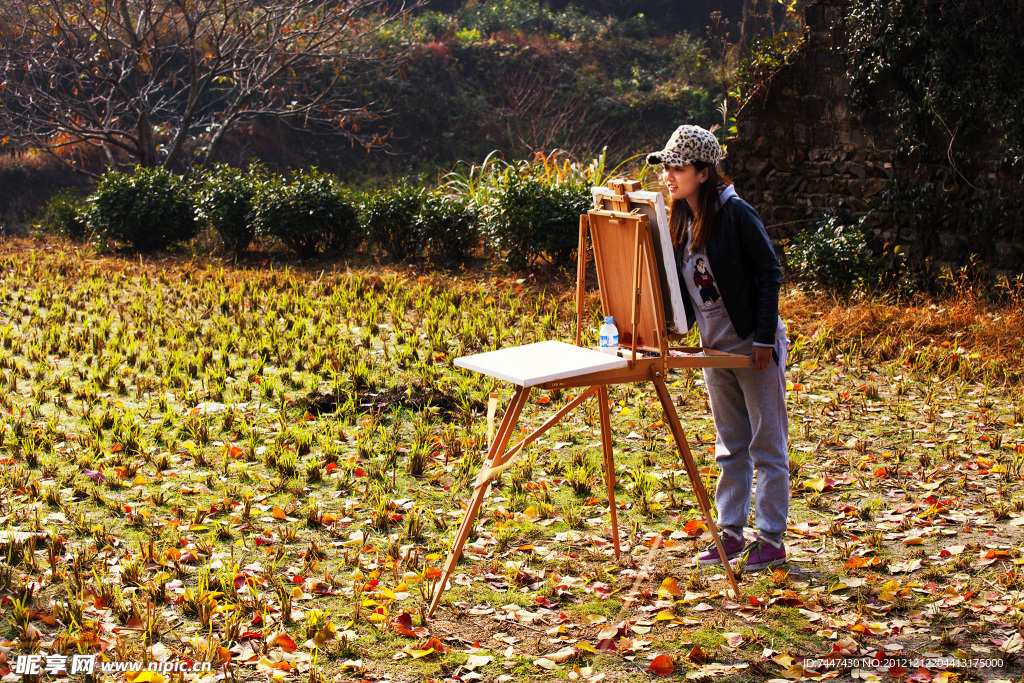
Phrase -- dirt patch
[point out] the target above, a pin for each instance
(448, 407)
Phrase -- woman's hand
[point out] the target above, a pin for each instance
(760, 356)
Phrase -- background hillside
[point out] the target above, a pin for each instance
(475, 77)
(519, 77)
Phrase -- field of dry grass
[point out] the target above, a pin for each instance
(262, 467)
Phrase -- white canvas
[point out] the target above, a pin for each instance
(533, 364)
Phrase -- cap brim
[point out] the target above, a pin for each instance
(667, 157)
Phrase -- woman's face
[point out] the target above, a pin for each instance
(684, 182)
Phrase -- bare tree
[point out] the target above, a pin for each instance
(162, 82)
(542, 109)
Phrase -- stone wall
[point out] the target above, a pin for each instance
(799, 151)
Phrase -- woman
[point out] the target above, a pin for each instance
(732, 277)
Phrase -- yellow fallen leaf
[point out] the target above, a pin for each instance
(817, 484)
(669, 588)
(149, 677)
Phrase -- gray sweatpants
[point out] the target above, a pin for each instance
(749, 409)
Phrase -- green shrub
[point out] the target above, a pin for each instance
(66, 214)
(310, 213)
(834, 254)
(448, 226)
(226, 201)
(149, 209)
(392, 221)
(530, 219)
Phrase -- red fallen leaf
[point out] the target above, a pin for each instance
(694, 528)
(787, 601)
(359, 472)
(544, 602)
(134, 623)
(897, 671)
(662, 666)
(251, 635)
(283, 641)
(432, 573)
(403, 625)
(434, 644)
(544, 399)
(697, 655)
(607, 645)
(331, 467)
(856, 562)
(260, 540)
(298, 579)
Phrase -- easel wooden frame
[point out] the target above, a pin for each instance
(630, 288)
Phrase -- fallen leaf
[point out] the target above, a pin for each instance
(476, 661)
(662, 665)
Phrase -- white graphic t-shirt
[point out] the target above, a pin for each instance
(716, 330)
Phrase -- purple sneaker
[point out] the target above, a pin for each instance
(761, 555)
(733, 549)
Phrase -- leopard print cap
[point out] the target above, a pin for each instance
(688, 144)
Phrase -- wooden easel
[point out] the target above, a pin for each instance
(630, 283)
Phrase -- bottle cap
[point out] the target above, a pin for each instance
(609, 319)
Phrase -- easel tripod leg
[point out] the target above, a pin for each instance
(691, 470)
(609, 462)
(469, 518)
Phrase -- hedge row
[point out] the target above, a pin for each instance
(310, 213)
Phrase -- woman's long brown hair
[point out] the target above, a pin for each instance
(703, 222)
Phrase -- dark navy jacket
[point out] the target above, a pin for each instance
(747, 271)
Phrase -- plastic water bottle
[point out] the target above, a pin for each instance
(609, 336)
